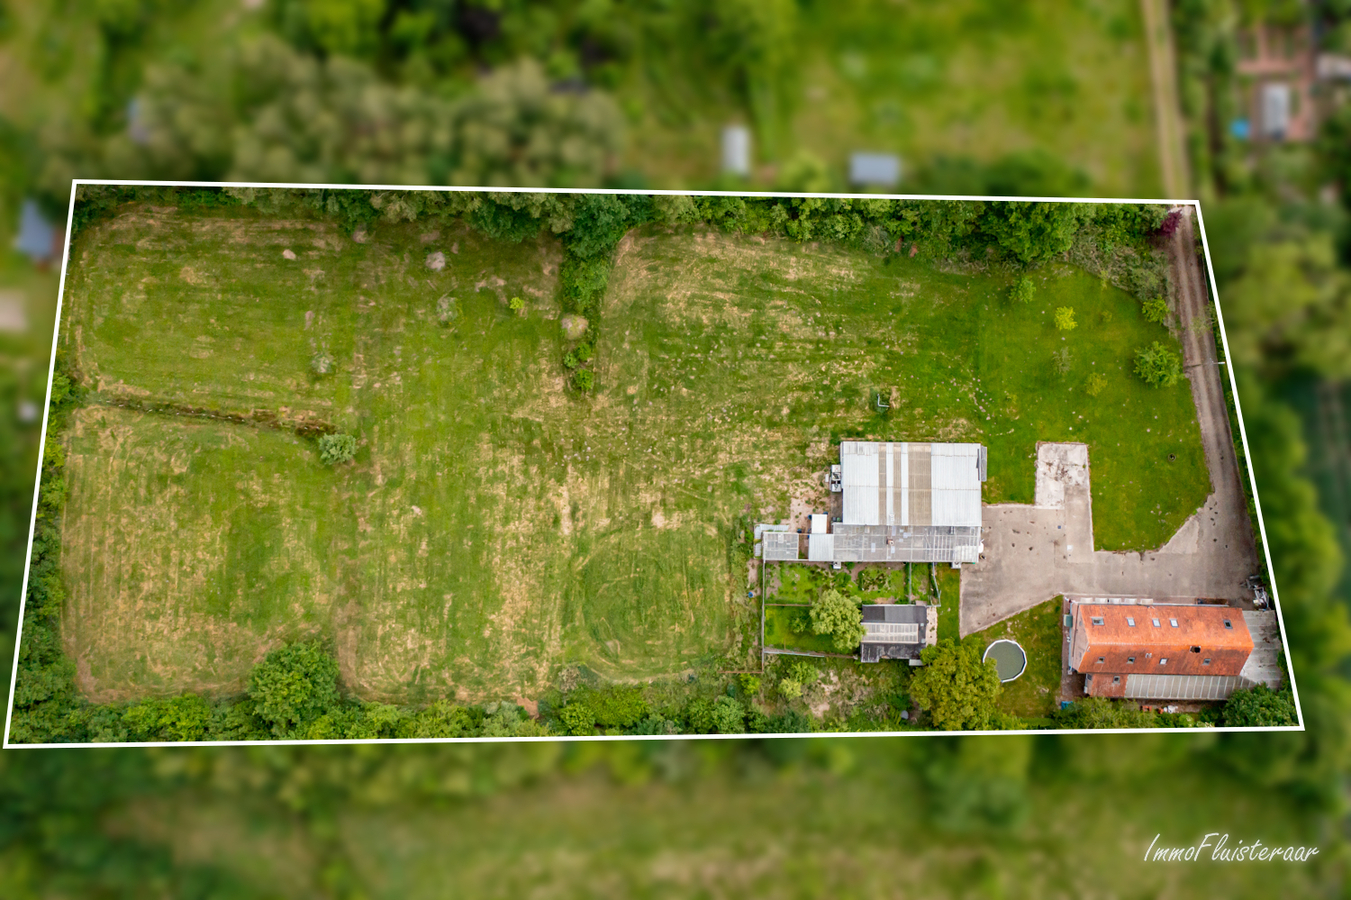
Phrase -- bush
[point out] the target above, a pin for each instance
(1260, 706)
(570, 360)
(447, 310)
(337, 448)
(1096, 383)
(516, 304)
(1063, 361)
(838, 616)
(321, 363)
(1064, 319)
(1158, 365)
(791, 688)
(294, 686)
(1156, 310)
(584, 379)
(1024, 290)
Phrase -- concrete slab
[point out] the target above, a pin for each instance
(1033, 553)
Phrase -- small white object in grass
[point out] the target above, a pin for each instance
(28, 411)
(288, 253)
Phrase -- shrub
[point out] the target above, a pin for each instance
(1024, 290)
(447, 310)
(584, 379)
(516, 304)
(1260, 706)
(337, 448)
(750, 684)
(1158, 365)
(1063, 361)
(321, 363)
(1156, 310)
(803, 672)
(1064, 319)
(791, 688)
(838, 616)
(1096, 382)
(584, 353)
(570, 360)
(293, 686)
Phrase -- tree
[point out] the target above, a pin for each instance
(443, 718)
(1156, 310)
(337, 448)
(1031, 232)
(1260, 706)
(956, 689)
(839, 616)
(1023, 290)
(513, 129)
(293, 686)
(724, 715)
(1158, 365)
(1064, 319)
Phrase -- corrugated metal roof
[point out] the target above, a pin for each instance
(1182, 687)
(905, 484)
(929, 543)
(821, 547)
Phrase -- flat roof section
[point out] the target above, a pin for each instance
(1182, 687)
(780, 545)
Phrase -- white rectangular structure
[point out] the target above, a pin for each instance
(819, 522)
(900, 484)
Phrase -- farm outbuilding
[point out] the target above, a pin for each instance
(901, 502)
(893, 631)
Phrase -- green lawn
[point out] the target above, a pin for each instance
(780, 622)
(949, 587)
(1039, 633)
(495, 526)
(929, 82)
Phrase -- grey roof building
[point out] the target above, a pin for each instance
(894, 631)
(874, 169)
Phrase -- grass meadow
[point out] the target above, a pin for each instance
(496, 527)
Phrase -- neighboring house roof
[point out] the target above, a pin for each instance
(1173, 640)
(36, 234)
(875, 169)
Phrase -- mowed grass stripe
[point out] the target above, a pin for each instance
(189, 548)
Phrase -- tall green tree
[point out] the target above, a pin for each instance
(839, 616)
(955, 687)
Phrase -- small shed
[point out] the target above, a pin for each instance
(874, 169)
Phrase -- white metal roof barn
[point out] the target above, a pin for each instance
(904, 484)
(901, 502)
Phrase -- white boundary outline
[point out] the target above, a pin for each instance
(51, 369)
